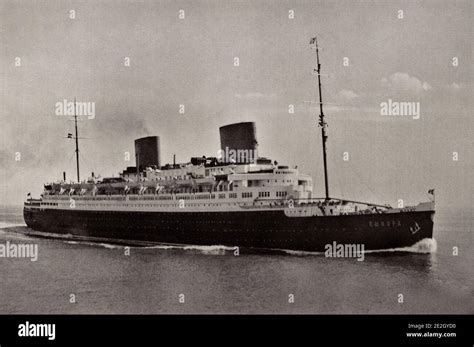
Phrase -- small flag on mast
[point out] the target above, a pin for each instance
(313, 40)
(431, 192)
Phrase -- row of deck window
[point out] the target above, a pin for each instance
(278, 194)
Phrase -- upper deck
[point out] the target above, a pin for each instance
(238, 182)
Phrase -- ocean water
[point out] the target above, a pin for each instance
(104, 280)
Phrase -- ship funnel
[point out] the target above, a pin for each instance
(147, 152)
(238, 142)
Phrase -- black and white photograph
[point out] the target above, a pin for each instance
(237, 158)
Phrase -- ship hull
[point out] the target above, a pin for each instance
(246, 229)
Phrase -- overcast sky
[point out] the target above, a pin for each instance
(190, 62)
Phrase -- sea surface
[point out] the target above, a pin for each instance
(71, 277)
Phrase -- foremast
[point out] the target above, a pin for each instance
(322, 123)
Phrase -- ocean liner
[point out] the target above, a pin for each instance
(234, 199)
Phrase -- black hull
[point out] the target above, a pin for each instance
(248, 229)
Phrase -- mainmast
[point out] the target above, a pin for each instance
(322, 122)
(77, 142)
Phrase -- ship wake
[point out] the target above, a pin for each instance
(209, 250)
(95, 244)
(423, 246)
(21, 230)
(5, 225)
